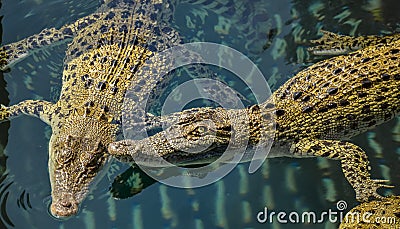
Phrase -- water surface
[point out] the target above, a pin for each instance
(282, 184)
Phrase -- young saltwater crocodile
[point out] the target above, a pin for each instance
(105, 56)
(313, 112)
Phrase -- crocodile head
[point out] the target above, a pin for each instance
(75, 160)
(200, 136)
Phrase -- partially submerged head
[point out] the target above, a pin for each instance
(200, 136)
(74, 162)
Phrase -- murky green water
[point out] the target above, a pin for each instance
(282, 184)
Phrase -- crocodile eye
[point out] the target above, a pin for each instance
(64, 156)
(200, 130)
(68, 141)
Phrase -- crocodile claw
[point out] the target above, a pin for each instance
(369, 188)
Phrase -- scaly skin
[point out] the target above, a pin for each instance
(383, 213)
(326, 103)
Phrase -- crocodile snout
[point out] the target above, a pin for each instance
(64, 207)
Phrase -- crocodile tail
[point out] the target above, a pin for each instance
(335, 44)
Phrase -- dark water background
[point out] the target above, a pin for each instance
(281, 184)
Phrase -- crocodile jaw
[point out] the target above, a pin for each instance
(68, 192)
(64, 203)
(65, 200)
(76, 161)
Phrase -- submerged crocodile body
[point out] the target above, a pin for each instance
(313, 113)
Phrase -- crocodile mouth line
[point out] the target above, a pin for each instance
(198, 159)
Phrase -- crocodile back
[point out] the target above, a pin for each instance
(106, 55)
(341, 97)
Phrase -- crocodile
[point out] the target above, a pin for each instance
(313, 114)
(105, 56)
(86, 118)
(383, 213)
(105, 52)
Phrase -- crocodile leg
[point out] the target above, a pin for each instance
(130, 183)
(11, 54)
(38, 108)
(355, 164)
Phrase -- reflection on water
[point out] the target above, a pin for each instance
(281, 184)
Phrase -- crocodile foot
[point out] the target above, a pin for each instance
(367, 190)
(354, 161)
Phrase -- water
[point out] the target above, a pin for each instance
(282, 184)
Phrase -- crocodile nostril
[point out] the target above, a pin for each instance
(66, 204)
(64, 208)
